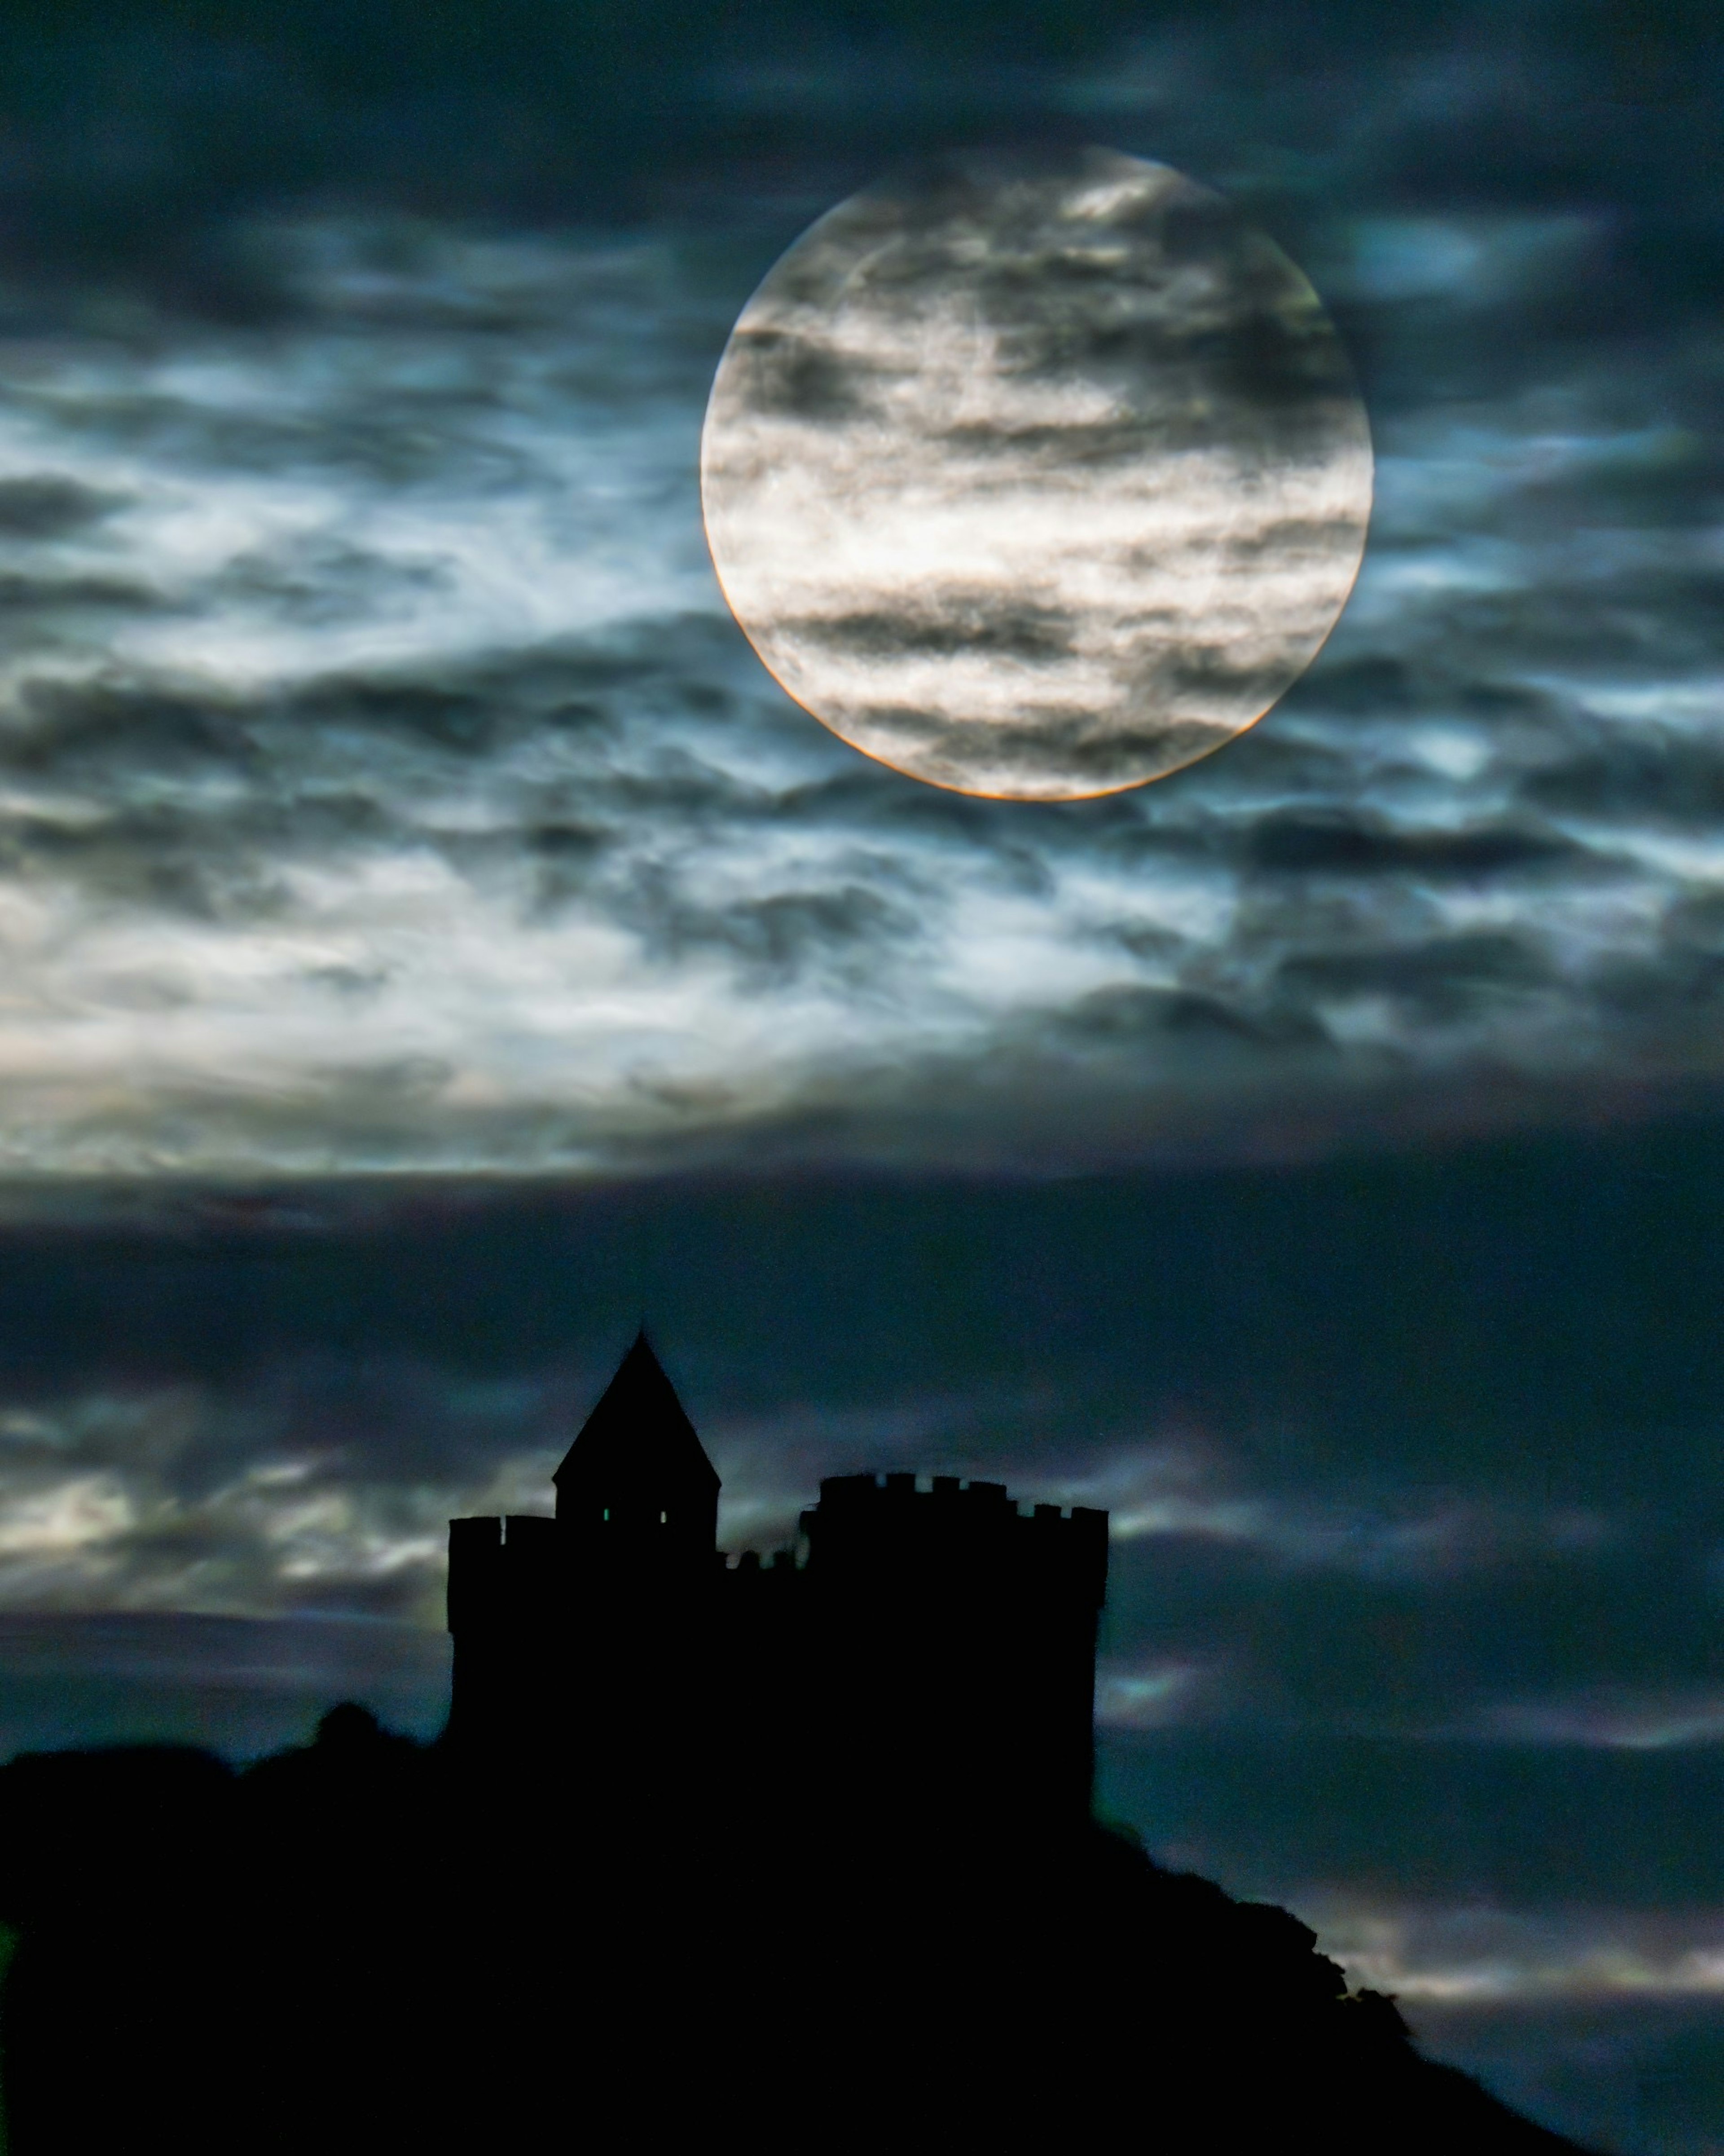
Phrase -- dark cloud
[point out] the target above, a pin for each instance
(1106, 753)
(1257, 368)
(49, 507)
(1647, 774)
(239, 1685)
(1444, 1823)
(157, 859)
(137, 141)
(41, 598)
(796, 377)
(1340, 845)
(65, 728)
(849, 929)
(1201, 672)
(1371, 684)
(1052, 448)
(323, 582)
(1623, 2076)
(1147, 1017)
(1290, 535)
(955, 621)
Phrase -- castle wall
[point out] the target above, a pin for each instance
(937, 1651)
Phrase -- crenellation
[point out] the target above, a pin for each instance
(852, 1489)
(846, 1489)
(950, 1626)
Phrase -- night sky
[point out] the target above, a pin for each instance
(431, 944)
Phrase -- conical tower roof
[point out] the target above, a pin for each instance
(638, 1444)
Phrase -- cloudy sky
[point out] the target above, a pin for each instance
(429, 941)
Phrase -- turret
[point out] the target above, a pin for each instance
(636, 1484)
(570, 1622)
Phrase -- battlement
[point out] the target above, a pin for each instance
(936, 1647)
(872, 1490)
(896, 1489)
(894, 1522)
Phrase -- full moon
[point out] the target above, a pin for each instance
(1037, 480)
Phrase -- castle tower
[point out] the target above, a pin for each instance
(636, 1484)
(564, 1627)
(958, 1639)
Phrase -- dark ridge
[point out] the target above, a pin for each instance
(355, 1946)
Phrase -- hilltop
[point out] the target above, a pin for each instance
(359, 1944)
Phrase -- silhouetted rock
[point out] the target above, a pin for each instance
(362, 1945)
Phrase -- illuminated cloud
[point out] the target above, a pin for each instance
(1151, 1696)
(383, 785)
(1490, 1956)
(1613, 1718)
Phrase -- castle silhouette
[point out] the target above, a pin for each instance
(808, 1844)
(937, 1649)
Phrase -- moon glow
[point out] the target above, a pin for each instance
(1035, 480)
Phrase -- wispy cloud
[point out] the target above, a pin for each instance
(1146, 1694)
(1610, 1717)
(383, 785)
(320, 1488)
(1486, 1955)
